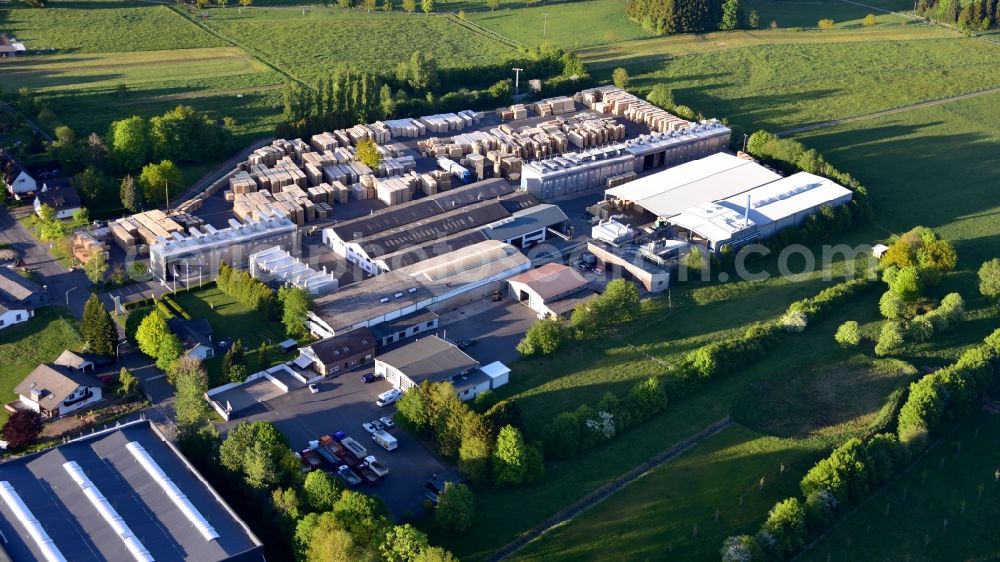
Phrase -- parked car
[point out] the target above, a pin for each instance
(369, 427)
(387, 422)
(370, 378)
(466, 343)
(314, 388)
(378, 425)
(389, 397)
(348, 476)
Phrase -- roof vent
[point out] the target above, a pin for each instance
(397, 295)
(384, 299)
(411, 290)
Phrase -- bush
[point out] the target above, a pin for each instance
(848, 334)
(22, 428)
(455, 507)
(989, 279)
(890, 339)
(543, 338)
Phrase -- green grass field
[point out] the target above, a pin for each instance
(230, 319)
(807, 13)
(309, 42)
(570, 25)
(102, 26)
(953, 483)
(24, 346)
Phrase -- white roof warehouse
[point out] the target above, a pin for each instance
(763, 211)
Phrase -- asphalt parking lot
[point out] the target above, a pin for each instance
(496, 330)
(343, 404)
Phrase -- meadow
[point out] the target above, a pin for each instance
(807, 13)
(945, 507)
(39, 340)
(570, 25)
(309, 42)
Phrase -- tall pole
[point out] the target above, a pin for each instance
(517, 80)
(166, 192)
(67, 294)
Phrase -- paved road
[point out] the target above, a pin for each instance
(878, 114)
(597, 496)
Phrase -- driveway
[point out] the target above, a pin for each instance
(343, 404)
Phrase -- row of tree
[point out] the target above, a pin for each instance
(835, 484)
(570, 433)
(973, 15)
(489, 447)
(246, 290)
(418, 87)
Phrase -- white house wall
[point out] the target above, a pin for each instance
(10, 317)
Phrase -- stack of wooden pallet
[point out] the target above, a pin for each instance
(266, 156)
(324, 141)
(186, 220)
(396, 166)
(341, 193)
(609, 99)
(406, 128)
(142, 229)
(324, 211)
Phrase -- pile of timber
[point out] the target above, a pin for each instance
(514, 112)
(554, 106)
(615, 101)
(292, 202)
(87, 244)
(397, 190)
(139, 231)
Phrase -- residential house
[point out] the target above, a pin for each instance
(19, 297)
(16, 180)
(340, 353)
(10, 46)
(55, 390)
(21, 291)
(65, 201)
(195, 336)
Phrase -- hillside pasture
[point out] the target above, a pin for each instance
(309, 42)
(807, 13)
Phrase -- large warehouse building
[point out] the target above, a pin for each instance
(401, 235)
(467, 274)
(576, 173)
(713, 178)
(761, 212)
(199, 254)
(118, 495)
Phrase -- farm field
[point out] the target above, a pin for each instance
(942, 486)
(309, 46)
(570, 25)
(24, 346)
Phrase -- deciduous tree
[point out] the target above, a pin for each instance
(151, 332)
(127, 382)
(321, 491)
(131, 197)
(157, 179)
(848, 334)
(509, 457)
(96, 266)
(22, 428)
(620, 77)
(128, 142)
(542, 338)
(190, 405)
(455, 507)
(989, 279)
(730, 15)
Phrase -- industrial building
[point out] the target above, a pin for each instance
(437, 360)
(713, 178)
(276, 266)
(198, 255)
(341, 353)
(403, 327)
(116, 495)
(594, 169)
(527, 226)
(366, 239)
(632, 264)
(471, 273)
(761, 212)
(553, 290)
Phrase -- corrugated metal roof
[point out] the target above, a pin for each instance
(430, 358)
(551, 280)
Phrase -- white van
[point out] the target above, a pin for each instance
(388, 397)
(387, 441)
